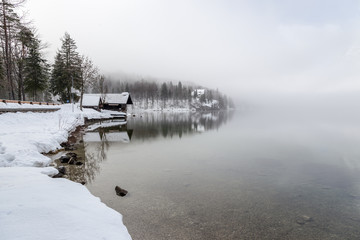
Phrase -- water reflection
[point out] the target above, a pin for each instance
(260, 176)
(168, 125)
(146, 126)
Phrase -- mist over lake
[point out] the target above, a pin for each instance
(261, 174)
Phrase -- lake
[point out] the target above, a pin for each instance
(265, 174)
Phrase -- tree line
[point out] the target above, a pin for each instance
(25, 73)
(152, 91)
(23, 69)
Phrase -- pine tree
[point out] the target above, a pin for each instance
(35, 70)
(164, 93)
(66, 69)
(25, 38)
(58, 78)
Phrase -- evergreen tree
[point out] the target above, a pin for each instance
(58, 79)
(26, 38)
(66, 69)
(35, 70)
(164, 93)
(203, 98)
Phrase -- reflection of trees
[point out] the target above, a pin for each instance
(95, 153)
(95, 144)
(152, 125)
(95, 150)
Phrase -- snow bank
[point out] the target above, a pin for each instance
(35, 206)
(24, 136)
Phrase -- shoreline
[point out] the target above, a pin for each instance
(39, 206)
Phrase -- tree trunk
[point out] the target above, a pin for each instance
(82, 94)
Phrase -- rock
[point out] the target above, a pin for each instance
(72, 161)
(78, 163)
(83, 183)
(72, 155)
(120, 192)
(59, 175)
(303, 219)
(62, 169)
(70, 148)
(64, 159)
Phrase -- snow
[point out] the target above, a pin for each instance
(110, 98)
(91, 100)
(117, 98)
(24, 136)
(35, 206)
(16, 105)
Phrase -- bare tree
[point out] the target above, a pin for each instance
(88, 76)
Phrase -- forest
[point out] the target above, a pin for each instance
(26, 73)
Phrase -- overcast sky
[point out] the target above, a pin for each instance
(279, 46)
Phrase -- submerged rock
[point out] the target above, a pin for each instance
(120, 192)
(303, 219)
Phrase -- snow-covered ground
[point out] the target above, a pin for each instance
(35, 206)
(16, 105)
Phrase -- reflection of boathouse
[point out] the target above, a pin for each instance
(110, 101)
(109, 132)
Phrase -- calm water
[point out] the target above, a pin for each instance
(255, 175)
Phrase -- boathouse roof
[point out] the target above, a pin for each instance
(91, 100)
(108, 98)
(118, 98)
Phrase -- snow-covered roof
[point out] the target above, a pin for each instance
(111, 98)
(91, 100)
(118, 98)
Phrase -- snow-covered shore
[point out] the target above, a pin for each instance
(35, 206)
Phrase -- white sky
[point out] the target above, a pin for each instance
(240, 47)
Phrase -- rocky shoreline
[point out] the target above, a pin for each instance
(70, 158)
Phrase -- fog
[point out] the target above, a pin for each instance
(250, 50)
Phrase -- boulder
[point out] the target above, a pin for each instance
(120, 192)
